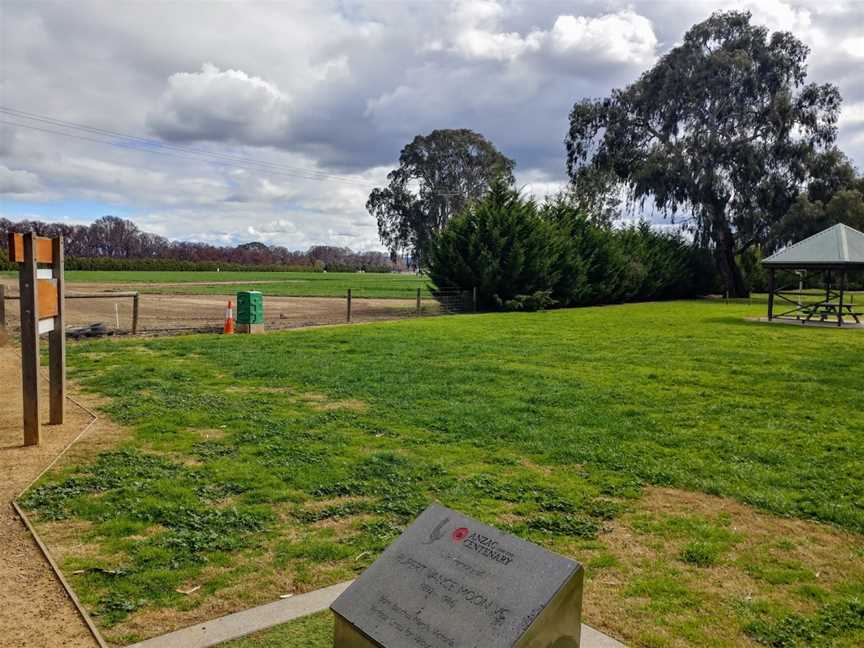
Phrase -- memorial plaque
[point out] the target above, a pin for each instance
(452, 582)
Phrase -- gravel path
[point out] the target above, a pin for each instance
(34, 608)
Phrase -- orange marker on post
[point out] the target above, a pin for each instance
(229, 320)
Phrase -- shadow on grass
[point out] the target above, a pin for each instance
(736, 320)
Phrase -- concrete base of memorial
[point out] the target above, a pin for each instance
(240, 624)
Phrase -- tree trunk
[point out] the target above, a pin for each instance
(733, 278)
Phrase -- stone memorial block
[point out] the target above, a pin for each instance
(451, 582)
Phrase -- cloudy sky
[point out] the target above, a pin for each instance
(272, 121)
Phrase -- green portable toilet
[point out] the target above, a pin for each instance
(250, 307)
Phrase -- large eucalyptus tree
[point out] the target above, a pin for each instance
(721, 131)
(438, 175)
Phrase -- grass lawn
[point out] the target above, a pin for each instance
(657, 443)
(314, 631)
(289, 284)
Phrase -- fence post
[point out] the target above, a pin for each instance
(349, 305)
(474, 298)
(135, 314)
(418, 301)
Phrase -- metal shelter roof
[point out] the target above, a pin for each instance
(839, 246)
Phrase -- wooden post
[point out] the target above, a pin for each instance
(4, 336)
(474, 298)
(29, 341)
(349, 305)
(57, 340)
(840, 306)
(135, 314)
(418, 301)
(771, 294)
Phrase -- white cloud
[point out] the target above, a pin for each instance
(480, 44)
(540, 184)
(476, 13)
(620, 37)
(18, 181)
(852, 114)
(623, 37)
(779, 15)
(853, 47)
(214, 104)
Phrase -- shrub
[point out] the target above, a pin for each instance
(540, 300)
(523, 257)
(5, 263)
(501, 246)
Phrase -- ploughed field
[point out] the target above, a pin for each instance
(708, 471)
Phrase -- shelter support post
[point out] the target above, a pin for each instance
(842, 291)
(771, 288)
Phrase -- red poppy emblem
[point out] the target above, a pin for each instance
(460, 534)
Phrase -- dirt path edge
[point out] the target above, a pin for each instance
(59, 574)
(88, 621)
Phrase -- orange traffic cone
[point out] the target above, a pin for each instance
(229, 320)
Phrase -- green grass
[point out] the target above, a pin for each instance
(706, 540)
(300, 456)
(290, 284)
(314, 631)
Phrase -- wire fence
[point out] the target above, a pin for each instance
(116, 313)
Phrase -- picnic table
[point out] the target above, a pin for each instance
(826, 310)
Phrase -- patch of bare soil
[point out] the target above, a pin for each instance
(349, 404)
(34, 608)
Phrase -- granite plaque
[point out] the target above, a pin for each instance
(451, 582)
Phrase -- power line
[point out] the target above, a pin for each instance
(88, 139)
(136, 143)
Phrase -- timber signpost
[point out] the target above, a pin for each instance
(451, 582)
(40, 265)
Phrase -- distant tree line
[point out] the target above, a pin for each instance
(112, 243)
